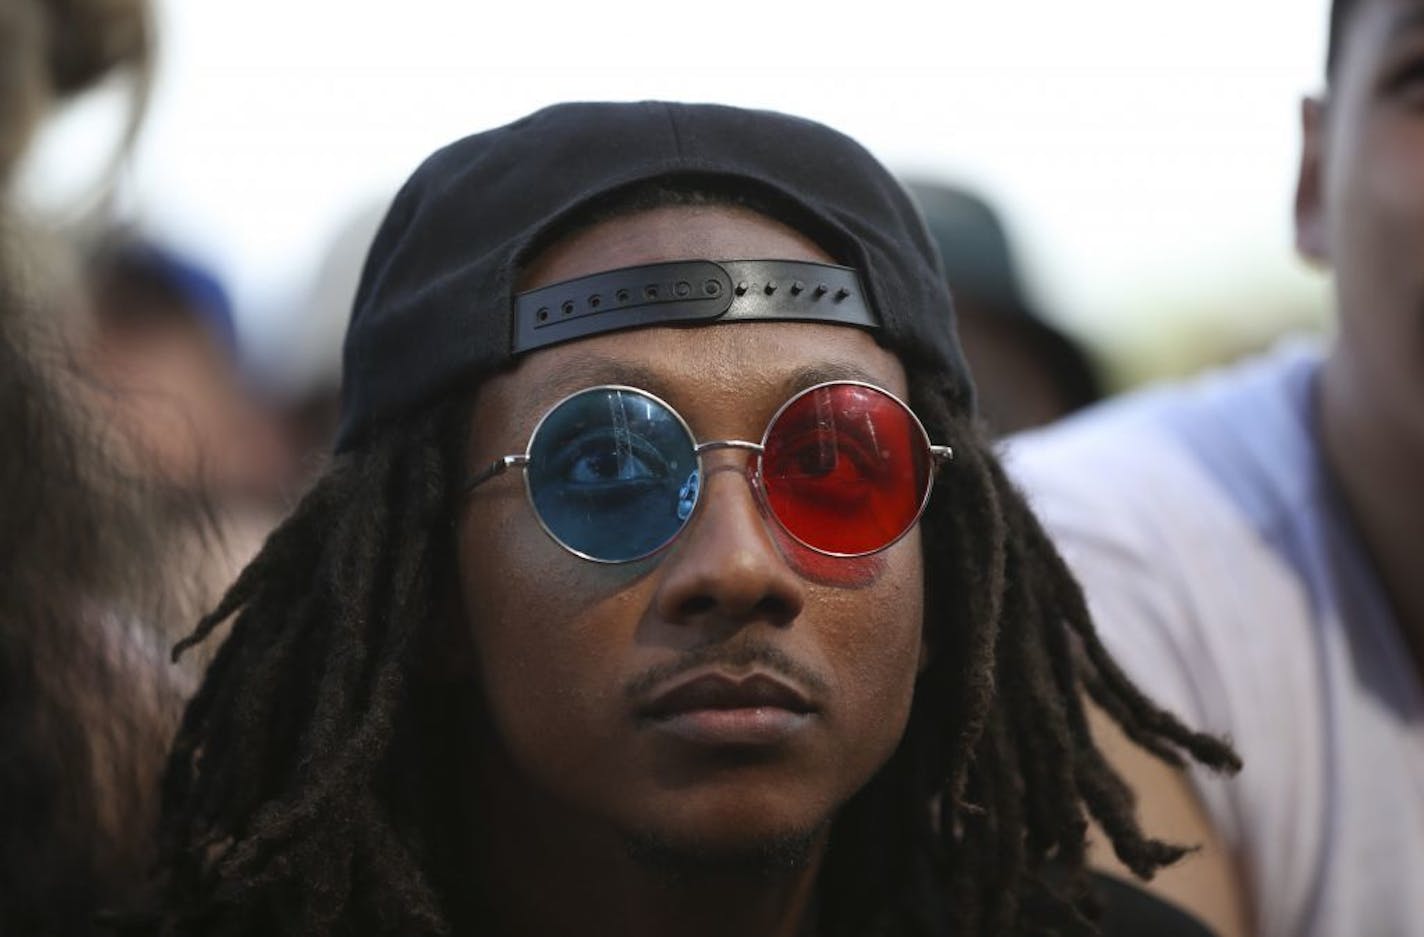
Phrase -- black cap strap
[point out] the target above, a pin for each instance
(690, 291)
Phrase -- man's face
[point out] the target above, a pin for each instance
(1361, 202)
(573, 655)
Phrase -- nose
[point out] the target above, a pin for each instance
(725, 564)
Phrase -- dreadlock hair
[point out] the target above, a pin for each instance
(977, 824)
(314, 787)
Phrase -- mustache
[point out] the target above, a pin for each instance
(740, 656)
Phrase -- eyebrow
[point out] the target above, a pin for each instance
(815, 374)
(598, 369)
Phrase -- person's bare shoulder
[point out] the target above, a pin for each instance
(1206, 882)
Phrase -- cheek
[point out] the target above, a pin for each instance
(1394, 173)
(545, 628)
(859, 572)
(1380, 219)
(1379, 265)
(877, 640)
(834, 571)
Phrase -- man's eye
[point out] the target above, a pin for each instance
(816, 462)
(606, 459)
(594, 468)
(823, 455)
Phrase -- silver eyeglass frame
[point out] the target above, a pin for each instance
(939, 455)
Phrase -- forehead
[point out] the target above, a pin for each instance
(748, 366)
(759, 362)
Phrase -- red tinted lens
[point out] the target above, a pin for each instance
(846, 468)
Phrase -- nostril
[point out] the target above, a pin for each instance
(776, 608)
(771, 608)
(698, 605)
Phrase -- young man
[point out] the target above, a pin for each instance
(616, 612)
(1250, 544)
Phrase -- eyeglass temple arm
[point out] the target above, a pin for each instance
(497, 467)
(941, 455)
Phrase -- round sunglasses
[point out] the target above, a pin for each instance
(614, 473)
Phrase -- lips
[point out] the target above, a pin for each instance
(722, 711)
(719, 691)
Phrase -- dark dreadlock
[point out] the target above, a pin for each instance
(977, 825)
(313, 784)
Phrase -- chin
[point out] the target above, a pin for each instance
(764, 853)
(745, 828)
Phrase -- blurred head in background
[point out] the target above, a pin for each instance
(164, 350)
(1360, 210)
(1026, 370)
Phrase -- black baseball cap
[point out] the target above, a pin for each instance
(435, 308)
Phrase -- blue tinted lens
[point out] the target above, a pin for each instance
(613, 473)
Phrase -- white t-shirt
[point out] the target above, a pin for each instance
(1225, 577)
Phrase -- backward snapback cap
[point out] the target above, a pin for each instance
(436, 303)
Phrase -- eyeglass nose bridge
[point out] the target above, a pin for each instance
(755, 448)
(753, 470)
(716, 444)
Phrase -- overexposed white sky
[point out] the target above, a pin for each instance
(1143, 154)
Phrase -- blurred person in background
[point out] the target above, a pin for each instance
(87, 700)
(1026, 371)
(159, 349)
(1251, 543)
(164, 349)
